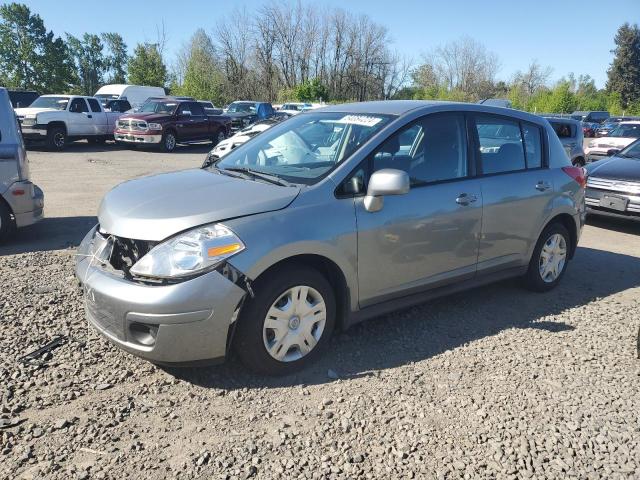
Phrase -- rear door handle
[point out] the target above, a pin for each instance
(465, 199)
(543, 186)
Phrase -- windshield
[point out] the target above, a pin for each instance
(632, 151)
(57, 103)
(159, 106)
(242, 107)
(305, 147)
(629, 131)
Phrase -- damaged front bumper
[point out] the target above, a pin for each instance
(180, 323)
(136, 137)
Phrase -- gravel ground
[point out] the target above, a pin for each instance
(498, 382)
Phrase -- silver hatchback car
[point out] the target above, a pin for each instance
(326, 219)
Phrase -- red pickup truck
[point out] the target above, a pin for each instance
(165, 122)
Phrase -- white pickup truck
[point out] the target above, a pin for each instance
(57, 120)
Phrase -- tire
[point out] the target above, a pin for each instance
(220, 136)
(277, 293)
(56, 138)
(579, 162)
(538, 278)
(169, 141)
(7, 225)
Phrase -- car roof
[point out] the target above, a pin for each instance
(401, 107)
(562, 119)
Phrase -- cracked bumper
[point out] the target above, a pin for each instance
(182, 323)
(133, 137)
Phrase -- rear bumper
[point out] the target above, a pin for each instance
(136, 137)
(181, 323)
(27, 203)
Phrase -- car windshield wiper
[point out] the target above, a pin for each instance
(261, 175)
(211, 159)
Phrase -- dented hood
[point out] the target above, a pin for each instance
(156, 207)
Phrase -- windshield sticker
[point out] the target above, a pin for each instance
(362, 120)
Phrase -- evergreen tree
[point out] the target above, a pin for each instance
(146, 66)
(90, 62)
(31, 57)
(116, 60)
(624, 72)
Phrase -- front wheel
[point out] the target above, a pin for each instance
(169, 142)
(56, 138)
(288, 322)
(220, 136)
(549, 260)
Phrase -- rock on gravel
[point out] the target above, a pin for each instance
(493, 383)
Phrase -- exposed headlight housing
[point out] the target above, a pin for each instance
(189, 253)
(29, 121)
(155, 126)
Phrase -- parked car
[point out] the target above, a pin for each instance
(22, 98)
(135, 94)
(244, 113)
(120, 106)
(165, 122)
(293, 108)
(284, 239)
(589, 129)
(621, 136)
(613, 185)
(240, 137)
(604, 129)
(590, 116)
(21, 201)
(570, 133)
(56, 120)
(210, 108)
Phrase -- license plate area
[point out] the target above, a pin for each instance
(614, 202)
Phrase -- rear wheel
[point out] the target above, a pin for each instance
(7, 225)
(579, 162)
(288, 323)
(220, 136)
(549, 260)
(56, 138)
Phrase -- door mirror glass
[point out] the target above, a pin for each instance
(387, 181)
(185, 113)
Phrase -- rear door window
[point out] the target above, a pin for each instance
(532, 145)
(501, 145)
(78, 105)
(94, 104)
(564, 130)
(196, 109)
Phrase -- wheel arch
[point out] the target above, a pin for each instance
(567, 221)
(331, 271)
(57, 123)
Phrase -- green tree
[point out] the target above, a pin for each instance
(624, 72)
(311, 91)
(146, 66)
(116, 60)
(90, 62)
(30, 56)
(202, 76)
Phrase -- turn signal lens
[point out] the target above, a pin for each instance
(224, 249)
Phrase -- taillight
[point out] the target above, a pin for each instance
(579, 174)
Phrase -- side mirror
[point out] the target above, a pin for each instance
(612, 151)
(385, 182)
(185, 113)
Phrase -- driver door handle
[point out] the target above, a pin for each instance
(465, 199)
(543, 186)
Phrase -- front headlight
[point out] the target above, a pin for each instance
(592, 144)
(155, 126)
(28, 121)
(194, 251)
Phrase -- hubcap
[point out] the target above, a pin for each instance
(170, 141)
(552, 258)
(294, 323)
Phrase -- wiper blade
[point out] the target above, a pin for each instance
(211, 159)
(261, 175)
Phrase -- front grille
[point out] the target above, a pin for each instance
(126, 252)
(624, 186)
(105, 319)
(132, 125)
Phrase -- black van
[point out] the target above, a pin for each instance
(590, 116)
(22, 98)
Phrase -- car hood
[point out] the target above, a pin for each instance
(616, 168)
(613, 142)
(156, 207)
(149, 117)
(23, 112)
